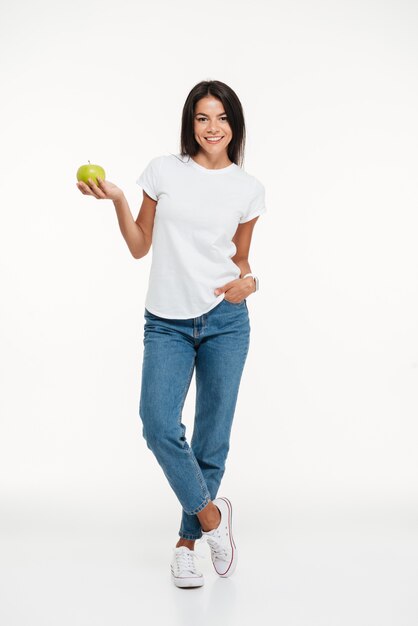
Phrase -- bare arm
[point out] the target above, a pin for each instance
(138, 233)
(145, 220)
(242, 241)
(240, 287)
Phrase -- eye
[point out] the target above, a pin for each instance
(202, 119)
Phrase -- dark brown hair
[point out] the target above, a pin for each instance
(233, 110)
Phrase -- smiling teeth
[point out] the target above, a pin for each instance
(213, 140)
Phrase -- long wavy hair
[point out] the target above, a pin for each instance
(233, 109)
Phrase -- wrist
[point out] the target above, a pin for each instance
(120, 198)
(251, 283)
(254, 279)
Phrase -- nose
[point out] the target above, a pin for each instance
(213, 129)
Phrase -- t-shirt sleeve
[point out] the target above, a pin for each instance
(256, 205)
(149, 179)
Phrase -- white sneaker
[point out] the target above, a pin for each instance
(184, 571)
(221, 542)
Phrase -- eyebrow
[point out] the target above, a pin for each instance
(208, 115)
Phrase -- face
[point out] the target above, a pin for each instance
(210, 120)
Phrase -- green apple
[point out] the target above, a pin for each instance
(85, 172)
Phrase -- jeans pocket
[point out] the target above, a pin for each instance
(240, 303)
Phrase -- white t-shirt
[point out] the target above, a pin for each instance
(197, 215)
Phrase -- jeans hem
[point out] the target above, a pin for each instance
(188, 536)
(200, 507)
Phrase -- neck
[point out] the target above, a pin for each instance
(212, 162)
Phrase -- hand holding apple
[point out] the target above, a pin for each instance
(91, 182)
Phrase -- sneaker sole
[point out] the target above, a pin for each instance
(187, 582)
(234, 560)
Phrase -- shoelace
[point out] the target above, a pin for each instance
(185, 560)
(218, 551)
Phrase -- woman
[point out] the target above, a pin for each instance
(198, 211)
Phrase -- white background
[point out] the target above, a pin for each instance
(322, 469)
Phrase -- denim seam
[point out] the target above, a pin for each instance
(198, 472)
(200, 478)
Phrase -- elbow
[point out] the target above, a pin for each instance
(140, 254)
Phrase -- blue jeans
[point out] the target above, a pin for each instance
(216, 344)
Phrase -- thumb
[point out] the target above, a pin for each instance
(219, 290)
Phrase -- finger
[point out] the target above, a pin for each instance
(102, 185)
(97, 192)
(87, 190)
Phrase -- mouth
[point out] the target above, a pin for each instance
(214, 139)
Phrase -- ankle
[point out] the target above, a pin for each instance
(189, 543)
(212, 522)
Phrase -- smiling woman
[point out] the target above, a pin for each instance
(196, 314)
